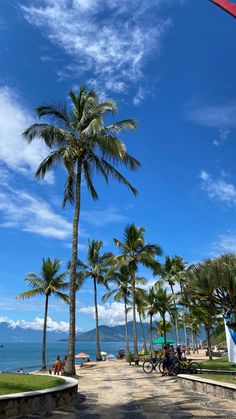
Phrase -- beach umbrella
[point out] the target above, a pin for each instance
(110, 356)
(161, 341)
(81, 355)
(103, 353)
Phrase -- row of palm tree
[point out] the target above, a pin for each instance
(79, 140)
(207, 290)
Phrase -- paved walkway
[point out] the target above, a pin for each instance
(118, 391)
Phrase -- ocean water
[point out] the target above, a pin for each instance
(28, 356)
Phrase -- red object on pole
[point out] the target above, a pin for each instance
(226, 5)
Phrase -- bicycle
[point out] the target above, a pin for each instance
(149, 366)
(186, 366)
(178, 366)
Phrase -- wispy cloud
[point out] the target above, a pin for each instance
(110, 40)
(100, 218)
(225, 243)
(37, 324)
(222, 137)
(218, 189)
(220, 116)
(30, 213)
(15, 153)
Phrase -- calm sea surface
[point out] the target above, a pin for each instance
(28, 356)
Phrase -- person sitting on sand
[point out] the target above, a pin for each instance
(57, 366)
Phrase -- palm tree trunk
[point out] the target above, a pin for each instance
(193, 342)
(164, 327)
(185, 336)
(196, 342)
(176, 318)
(98, 350)
(208, 336)
(151, 347)
(126, 327)
(134, 320)
(143, 334)
(45, 334)
(70, 363)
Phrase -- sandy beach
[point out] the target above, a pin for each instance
(116, 390)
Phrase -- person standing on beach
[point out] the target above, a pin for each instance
(57, 366)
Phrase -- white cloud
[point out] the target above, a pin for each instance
(15, 153)
(110, 314)
(222, 137)
(100, 218)
(32, 214)
(111, 40)
(37, 324)
(220, 116)
(139, 96)
(218, 189)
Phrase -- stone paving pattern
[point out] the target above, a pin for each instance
(115, 390)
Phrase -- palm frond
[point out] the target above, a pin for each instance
(69, 190)
(52, 135)
(49, 162)
(30, 293)
(88, 179)
(117, 175)
(57, 111)
(62, 296)
(108, 106)
(122, 126)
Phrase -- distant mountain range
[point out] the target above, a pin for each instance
(18, 334)
(107, 334)
(117, 333)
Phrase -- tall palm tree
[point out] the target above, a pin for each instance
(81, 142)
(194, 326)
(151, 310)
(121, 292)
(172, 271)
(163, 305)
(50, 282)
(95, 269)
(135, 252)
(141, 304)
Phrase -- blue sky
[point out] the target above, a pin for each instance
(170, 64)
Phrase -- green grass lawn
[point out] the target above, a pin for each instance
(218, 364)
(17, 383)
(219, 377)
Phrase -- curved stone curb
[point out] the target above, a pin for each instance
(203, 385)
(18, 404)
(203, 370)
